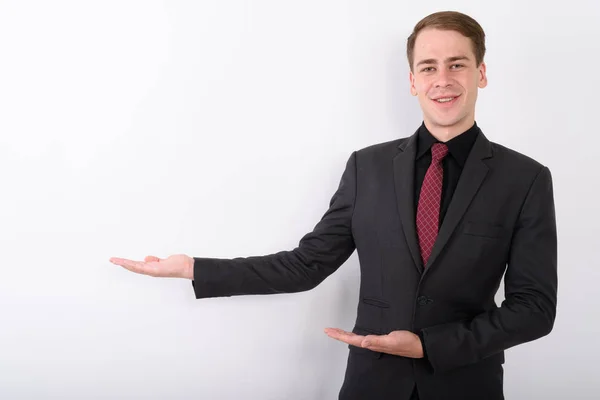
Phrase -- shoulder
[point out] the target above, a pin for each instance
(515, 161)
(381, 150)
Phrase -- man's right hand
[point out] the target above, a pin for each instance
(175, 266)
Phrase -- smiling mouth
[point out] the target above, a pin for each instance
(446, 100)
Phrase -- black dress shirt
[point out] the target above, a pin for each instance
(459, 148)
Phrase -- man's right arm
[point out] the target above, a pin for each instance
(318, 254)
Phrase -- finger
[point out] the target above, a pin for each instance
(343, 336)
(152, 258)
(133, 266)
(338, 332)
(119, 261)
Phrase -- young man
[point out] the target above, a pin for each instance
(437, 219)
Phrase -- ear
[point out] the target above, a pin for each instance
(483, 81)
(413, 89)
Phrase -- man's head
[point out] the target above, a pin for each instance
(445, 53)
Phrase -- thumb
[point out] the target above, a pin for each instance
(151, 258)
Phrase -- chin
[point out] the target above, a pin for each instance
(448, 124)
(445, 122)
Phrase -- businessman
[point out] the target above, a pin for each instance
(437, 218)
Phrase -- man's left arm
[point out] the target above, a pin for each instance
(531, 284)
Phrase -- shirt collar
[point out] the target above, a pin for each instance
(459, 146)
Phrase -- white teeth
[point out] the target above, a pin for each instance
(445, 100)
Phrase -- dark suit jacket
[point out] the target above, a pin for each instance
(501, 221)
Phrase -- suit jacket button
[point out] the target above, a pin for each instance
(422, 300)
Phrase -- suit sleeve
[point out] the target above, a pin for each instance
(529, 309)
(318, 254)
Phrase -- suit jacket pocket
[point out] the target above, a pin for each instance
(485, 229)
(361, 350)
(375, 302)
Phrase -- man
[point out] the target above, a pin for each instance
(438, 218)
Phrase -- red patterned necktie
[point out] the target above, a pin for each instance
(428, 210)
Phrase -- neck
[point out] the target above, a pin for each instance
(444, 133)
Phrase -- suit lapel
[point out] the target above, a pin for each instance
(404, 173)
(471, 178)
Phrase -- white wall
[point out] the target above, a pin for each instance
(221, 129)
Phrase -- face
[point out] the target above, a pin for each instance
(445, 78)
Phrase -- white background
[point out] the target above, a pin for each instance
(221, 129)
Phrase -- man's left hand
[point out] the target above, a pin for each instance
(400, 343)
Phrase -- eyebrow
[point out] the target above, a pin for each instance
(448, 60)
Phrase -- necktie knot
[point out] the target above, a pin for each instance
(438, 151)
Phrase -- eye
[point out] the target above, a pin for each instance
(457, 66)
(427, 69)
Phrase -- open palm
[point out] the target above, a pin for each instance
(175, 266)
(400, 343)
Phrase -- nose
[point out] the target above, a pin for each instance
(443, 79)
